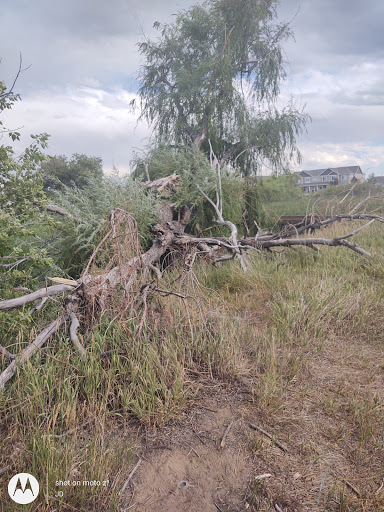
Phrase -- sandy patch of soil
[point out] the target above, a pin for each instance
(328, 417)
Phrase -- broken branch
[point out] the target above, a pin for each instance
(270, 436)
(49, 291)
(75, 324)
(4, 353)
(222, 444)
(39, 341)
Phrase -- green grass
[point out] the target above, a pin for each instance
(325, 202)
(65, 413)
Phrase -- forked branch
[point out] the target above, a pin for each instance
(49, 291)
(99, 290)
(218, 207)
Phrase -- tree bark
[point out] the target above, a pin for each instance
(39, 341)
(49, 291)
(169, 237)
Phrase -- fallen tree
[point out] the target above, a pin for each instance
(119, 275)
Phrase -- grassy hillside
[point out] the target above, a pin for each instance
(302, 332)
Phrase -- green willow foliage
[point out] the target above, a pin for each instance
(24, 226)
(90, 207)
(78, 170)
(22, 252)
(194, 169)
(214, 75)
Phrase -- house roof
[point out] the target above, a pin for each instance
(314, 172)
(378, 180)
(351, 169)
(329, 171)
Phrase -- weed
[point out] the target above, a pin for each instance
(63, 415)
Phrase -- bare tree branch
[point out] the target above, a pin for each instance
(9, 92)
(162, 184)
(309, 242)
(38, 306)
(218, 207)
(53, 208)
(75, 324)
(31, 297)
(5, 353)
(304, 226)
(39, 341)
(11, 266)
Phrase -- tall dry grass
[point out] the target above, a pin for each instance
(64, 418)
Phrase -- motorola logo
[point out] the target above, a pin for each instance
(23, 488)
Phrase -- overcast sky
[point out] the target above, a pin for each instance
(84, 60)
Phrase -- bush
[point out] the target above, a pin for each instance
(90, 208)
(194, 168)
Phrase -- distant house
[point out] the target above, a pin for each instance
(377, 180)
(318, 179)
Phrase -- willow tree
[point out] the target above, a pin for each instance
(214, 76)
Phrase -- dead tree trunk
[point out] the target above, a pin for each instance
(126, 280)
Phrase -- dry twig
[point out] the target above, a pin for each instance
(222, 444)
(352, 488)
(270, 436)
(131, 475)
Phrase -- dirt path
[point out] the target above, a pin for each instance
(330, 418)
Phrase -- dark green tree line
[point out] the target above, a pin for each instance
(21, 200)
(79, 170)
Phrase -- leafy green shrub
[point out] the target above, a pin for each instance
(78, 170)
(90, 208)
(22, 252)
(195, 170)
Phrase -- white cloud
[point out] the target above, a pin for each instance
(347, 109)
(84, 58)
(318, 156)
(84, 120)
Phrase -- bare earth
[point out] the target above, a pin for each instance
(329, 419)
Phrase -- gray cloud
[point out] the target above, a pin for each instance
(84, 62)
(369, 96)
(77, 41)
(332, 33)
